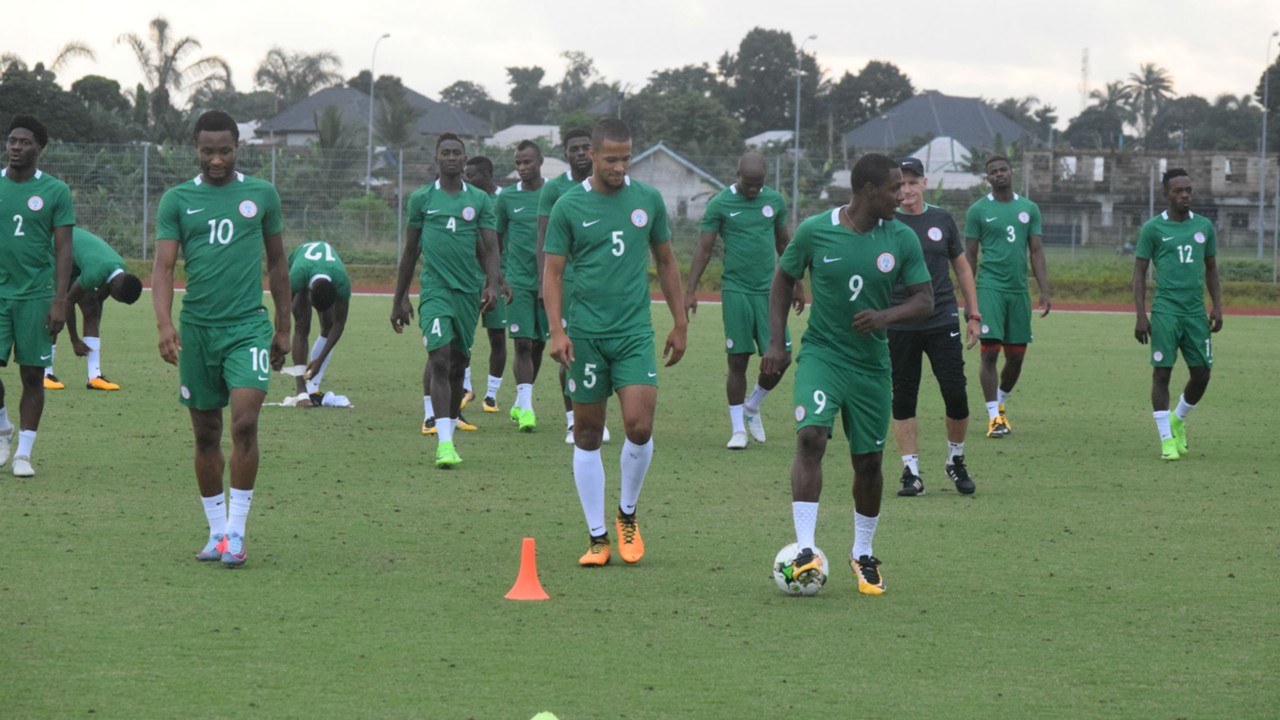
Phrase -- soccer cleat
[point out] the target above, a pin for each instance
(755, 427)
(867, 569)
(22, 467)
(598, 554)
(101, 383)
(429, 426)
(1000, 412)
(447, 456)
(51, 382)
(959, 475)
(5, 441)
(467, 397)
(464, 425)
(514, 413)
(233, 554)
(805, 566)
(568, 436)
(998, 427)
(630, 544)
(490, 404)
(1179, 430)
(737, 441)
(528, 421)
(213, 549)
(1168, 451)
(912, 484)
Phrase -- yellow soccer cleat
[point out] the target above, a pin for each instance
(101, 383)
(429, 426)
(867, 570)
(630, 544)
(51, 382)
(489, 404)
(464, 425)
(598, 554)
(998, 427)
(467, 397)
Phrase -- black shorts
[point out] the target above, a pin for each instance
(946, 356)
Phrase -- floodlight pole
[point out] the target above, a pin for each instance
(1262, 151)
(368, 160)
(795, 161)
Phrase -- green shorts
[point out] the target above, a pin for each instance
(496, 319)
(1188, 333)
(526, 317)
(1006, 316)
(824, 387)
(23, 332)
(217, 359)
(746, 323)
(448, 317)
(602, 365)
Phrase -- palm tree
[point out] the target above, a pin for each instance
(163, 68)
(72, 50)
(293, 76)
(1148, 89)
(1113, 99)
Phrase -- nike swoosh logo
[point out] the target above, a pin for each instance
(193, 211)
(826, 259)
(653, 374)
(263, 379)
(432, 212)
(990, 219)
(880, 442)
(46, 357)
(520, 209)
(1165, 239)
(589, 224)
(734, 214)
(955, 334)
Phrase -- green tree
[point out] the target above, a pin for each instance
(698, 127)
(473, 98)
(165, 68)
(294, 75)
(1094, 129)
(1149, 89)
(68, 52)
(1272, 83)
(96, 90)
(395, 121)
(578, 88)
(697, 79)
(530, 99)
(760, 82)
(69, 117)
(256, 105)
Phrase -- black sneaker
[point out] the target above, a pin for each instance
(960, 476)
(912, 485)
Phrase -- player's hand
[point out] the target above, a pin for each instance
(170, 344)
(1045, 305)
(79, 347)
(972, 329)
(775, 360)
(1142, 329)
(797, 297)
(869, 321)
(690, 304)
(488, 299)
(561, 348)
(279, 348)
(401, 315)
(57, 318)
(313, 367)
(1215, 320)
(507, 295)
(677, 341)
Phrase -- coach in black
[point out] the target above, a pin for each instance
(937, 336)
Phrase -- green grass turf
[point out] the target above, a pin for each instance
(1085, 578)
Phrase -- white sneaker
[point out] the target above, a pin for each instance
(738, 441)
(606, 434)
(22, 467)
(5, 441)
(568, 436)
(755, 427)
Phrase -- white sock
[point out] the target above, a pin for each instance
(26, 438)
(215, 510)
(588, 475)
(864, 529)
(1002, 396)
(635, 464)
(495, 384)
(524, 396)
(428, 411)
(993, 410)
(912, 463)
(756, 400)
(444, 429)
(4, 419)
(1184, 408)
(568, 418)
(95, 356)
(313, 385)
(1162, 424)
(466, 381)
(53, 350)
(805, 517)
(954, 450)
(239, 511)
(736, 418)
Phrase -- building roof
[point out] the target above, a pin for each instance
(971, 121)
(510, 136)
(436, 118)
(661, 148)
(769, 136)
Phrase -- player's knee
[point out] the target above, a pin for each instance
(990, 348)
(956, 400)
(904, 403)
(811, 442)
(1199, 374)
(244, 430)
(1014, 351)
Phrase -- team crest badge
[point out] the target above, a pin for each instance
(1157, 356)
(35, 202)
(886, 262)
(935, 234)
(728, 343)
(248, 208)
(639, 218)
(767, 210)
(468, 213)
(186, 394)
(799, 413)
(1200, 238)
(1024, 218)
(573, 386)
(986, 329)
(515, 327)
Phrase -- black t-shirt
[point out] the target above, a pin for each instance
(941, 242)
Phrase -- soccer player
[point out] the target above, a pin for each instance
(1184, 248)
(607, 227)
(450, 225)
(317, 279)
(97, 273)
(517, 226)
(577, 152)
(36, 219)
(479, 172)
(935, 336)
(752, 221)
(224, 223)
(855, 256)
(1007, 228)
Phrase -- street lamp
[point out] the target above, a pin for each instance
(795, 167)
(368, 162)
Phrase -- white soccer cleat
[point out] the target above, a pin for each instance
(606, 434)
(22, 467)
(738, 441)
(5, 441)
(755, 427)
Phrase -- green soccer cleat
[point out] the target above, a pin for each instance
(1169, 449)
(515, 414)
(528, 421)
(447, 456)
(1179, 430)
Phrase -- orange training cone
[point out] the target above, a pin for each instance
(527, 586)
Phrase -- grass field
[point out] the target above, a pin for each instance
(1085, 578)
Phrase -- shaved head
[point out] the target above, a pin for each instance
(751, 163)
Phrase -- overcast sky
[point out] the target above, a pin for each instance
(1027, 48)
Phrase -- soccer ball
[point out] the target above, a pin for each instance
(783, 566)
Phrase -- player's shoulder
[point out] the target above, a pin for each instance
(641, 188)
(824, 220)
(1025, 202)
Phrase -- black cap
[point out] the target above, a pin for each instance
(912, 165)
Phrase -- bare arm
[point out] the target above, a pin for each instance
(776, 358)
(63, 262)
(539, 257)
(558, 345)
(1215, 292)
(782, 238)
(162, 299)
(701, 256)
(278, 284)
(669, 281)
(1035, 245)
(491, 261)
(337, 317)
(401, 309)
(973, 318)
(1142, 329)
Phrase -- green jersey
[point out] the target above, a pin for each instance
(1002, 229)
(851, 272)
(95, 262)
(221, 230)
(29, 211)
(607, 238)
(450, 230)
(747, 228)
(552, 189)
(318, 259)
(517, 222)
(1178, 249)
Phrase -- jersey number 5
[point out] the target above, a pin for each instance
(619, 247)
